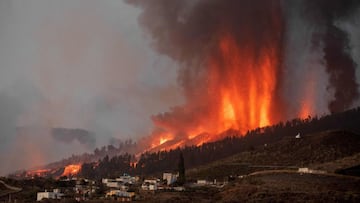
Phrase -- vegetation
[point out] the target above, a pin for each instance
(233, 143)
(181, 179)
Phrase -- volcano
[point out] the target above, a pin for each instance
(244, 65)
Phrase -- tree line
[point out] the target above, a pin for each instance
(152, 163)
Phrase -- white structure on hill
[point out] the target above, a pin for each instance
(150, 184)
(119, 182)
(49, 195)
(170, 178)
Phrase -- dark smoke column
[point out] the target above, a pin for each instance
(229, 54)
(341, 68)
(339, 63)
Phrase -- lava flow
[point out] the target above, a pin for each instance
(71, 170)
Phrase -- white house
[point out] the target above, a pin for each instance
(307, 170)
(126, 179)
(49, 195)
(150, 184)
(170, 178)
(119, 182)
(203, 182)
(120, 193)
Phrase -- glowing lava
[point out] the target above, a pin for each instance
(39, 172)
(246, 88)
(239, 97)
(71, 169)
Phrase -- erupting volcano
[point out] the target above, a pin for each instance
(238, 62)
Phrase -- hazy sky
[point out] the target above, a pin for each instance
(87, 64)
(76, 64)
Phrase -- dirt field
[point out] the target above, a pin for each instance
(273, 187)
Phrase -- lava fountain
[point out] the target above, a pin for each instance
(233, 66)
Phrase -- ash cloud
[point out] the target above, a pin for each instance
(189, 33)
(339, 62)
(317, 57)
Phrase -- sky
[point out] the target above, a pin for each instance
(75, 65)
(129, 70)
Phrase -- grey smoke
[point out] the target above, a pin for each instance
(76, 65)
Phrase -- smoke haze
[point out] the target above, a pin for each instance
(76, 65)
(114, 68)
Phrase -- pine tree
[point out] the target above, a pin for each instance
(181, 168)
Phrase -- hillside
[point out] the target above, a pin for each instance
(278, 138)
(338, 149)
(6, 189)
(269, 172)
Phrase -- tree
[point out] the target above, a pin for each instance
(181, 168)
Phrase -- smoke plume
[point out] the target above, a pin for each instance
(244, 64)
(337, 54)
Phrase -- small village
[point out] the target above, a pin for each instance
(124, 188)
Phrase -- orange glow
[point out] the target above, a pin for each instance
(247, 92)
(163, 140)
(307, 104)
(238, 91)
(39, 172)
(71, 169)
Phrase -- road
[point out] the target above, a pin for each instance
(11, 188)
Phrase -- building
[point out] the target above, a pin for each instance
(126, 179)
(150, 184)
(119, 182)
(49, 195)
(120, 193)
(170, 178)
(307, 170)
(204, 182)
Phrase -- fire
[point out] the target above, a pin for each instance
(71, 169)
(248, 90)
(240, 96)
(163, 140)
(38, 172)
(232, 70)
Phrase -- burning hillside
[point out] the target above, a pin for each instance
(235, 62)
(71, 170)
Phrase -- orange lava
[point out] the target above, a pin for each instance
(247, 92)
(39, 172)
(71, 169)
(240, 97)
(238, 90)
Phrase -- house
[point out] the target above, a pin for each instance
(126, 179)
(150, 184)
(170, 178)
(304, 170)
(119, 182)
(203, 182)
(49, 195)
(307, 170)
(120, 193)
